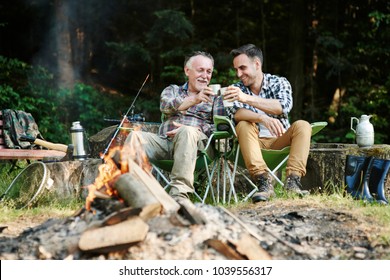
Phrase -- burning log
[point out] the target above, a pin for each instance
(152, 187)
(133, 191)
(126, 175)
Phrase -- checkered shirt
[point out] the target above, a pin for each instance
(199, 115)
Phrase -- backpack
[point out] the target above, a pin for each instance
(17, 123)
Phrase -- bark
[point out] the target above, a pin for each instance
(326, 164)
(296, 56)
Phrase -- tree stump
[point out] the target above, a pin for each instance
(69, 177)
(326, 164)
(99, 142)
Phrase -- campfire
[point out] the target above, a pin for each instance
(146, 211)
(129, 215)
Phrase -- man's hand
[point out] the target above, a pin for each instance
(204, 95)
(233, 93)
(274, 125)
(196, 98)
(173, 132)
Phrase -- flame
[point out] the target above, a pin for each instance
(134, 150)
(116, 164)
(104, 182)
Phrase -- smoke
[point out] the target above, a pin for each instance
(63, 45)
(73, 32)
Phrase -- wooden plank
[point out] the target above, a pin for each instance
(9, 154)
(249, 247)
(224, 249)
(114, 237)
(30, 154)
(145, 213)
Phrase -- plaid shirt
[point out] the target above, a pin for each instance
(274, 87)
(199, 115)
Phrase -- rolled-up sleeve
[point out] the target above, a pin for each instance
(282, 91)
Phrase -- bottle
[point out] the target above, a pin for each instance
(77, 133)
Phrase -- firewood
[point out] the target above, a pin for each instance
(168, 203)
(250, 248)
(224, 249)
(114, 237)
(144, 213)
(133, 191)
(120, 216)
(245, 226)
(150, 211)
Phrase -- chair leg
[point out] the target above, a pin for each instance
(378, 175)
(273, 173)
(357, 173)
(161, 177)
(209, 181)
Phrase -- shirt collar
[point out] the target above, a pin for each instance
(265, 81)
(185, 87)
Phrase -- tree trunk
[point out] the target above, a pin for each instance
(296, 55)
(63, 46)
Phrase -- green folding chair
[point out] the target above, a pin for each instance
(276, 159)
(209, 164)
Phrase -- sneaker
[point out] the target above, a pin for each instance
(293, 185)
(266, 189)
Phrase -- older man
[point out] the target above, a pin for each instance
(187, 124)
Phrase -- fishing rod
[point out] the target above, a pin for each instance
(124, 118)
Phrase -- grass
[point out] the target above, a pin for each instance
(10, 214)
(48, 205)
(331, 197)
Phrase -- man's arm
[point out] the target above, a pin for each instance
(269, 106)
(171, 101)
(274, 125)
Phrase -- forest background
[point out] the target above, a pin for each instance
(71, 60)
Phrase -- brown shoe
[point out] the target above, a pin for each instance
(265, 188)
(293, 185)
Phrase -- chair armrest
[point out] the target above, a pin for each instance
(317, 127)
(223, 123)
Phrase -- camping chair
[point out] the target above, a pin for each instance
(276, 160)
(209, 164)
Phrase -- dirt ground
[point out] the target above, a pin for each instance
(298, 229)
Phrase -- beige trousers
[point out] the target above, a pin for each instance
(298, 136)
(182, 149)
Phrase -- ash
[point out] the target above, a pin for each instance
(297, 232)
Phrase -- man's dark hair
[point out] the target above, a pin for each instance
(196, 53)
(250, 50)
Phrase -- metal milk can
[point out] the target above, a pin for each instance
(364, 131)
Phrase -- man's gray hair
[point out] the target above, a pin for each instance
(188, 58)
